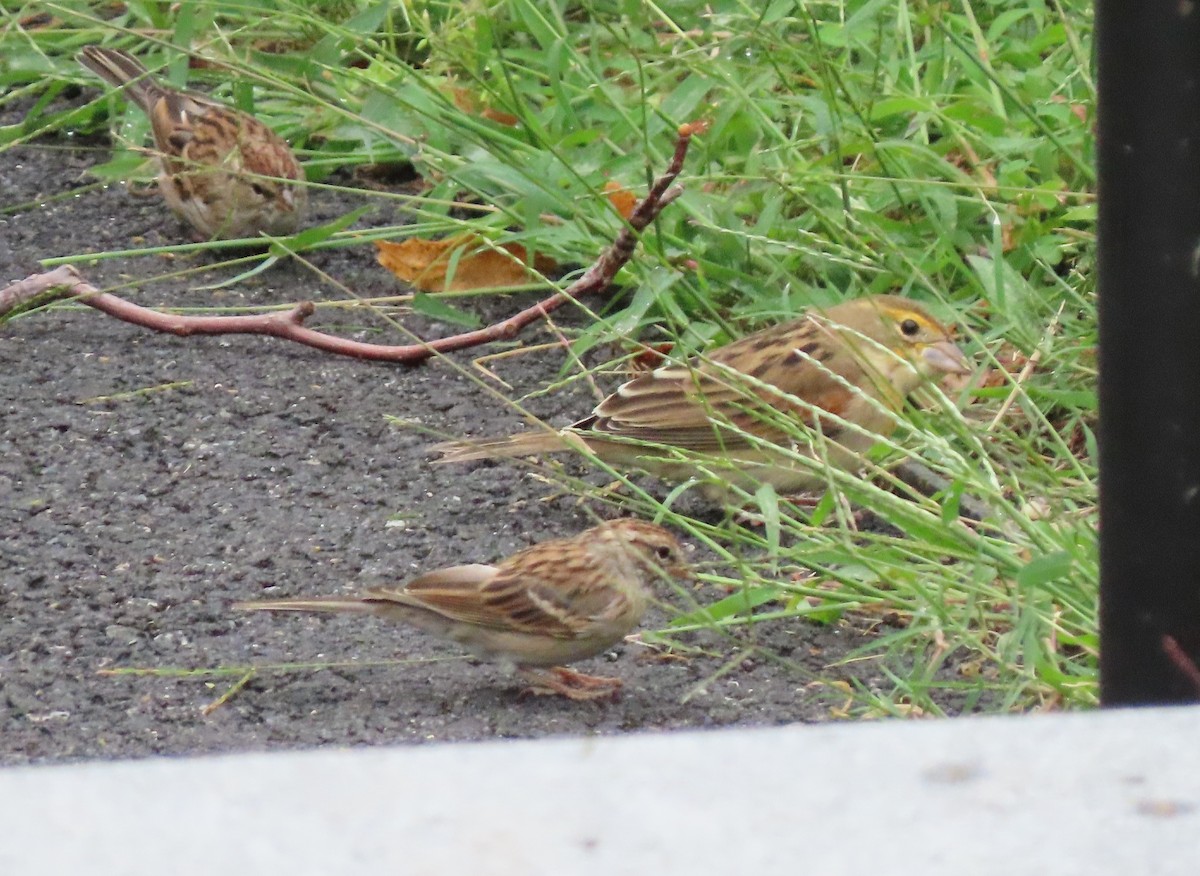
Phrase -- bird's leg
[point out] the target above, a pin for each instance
(569, 683)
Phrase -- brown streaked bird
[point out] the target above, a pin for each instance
(547, 605)
(221, 170)
(731, 408)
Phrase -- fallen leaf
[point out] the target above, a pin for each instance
(460, 263)
(467, 103)
(650, 357)
(620, 197)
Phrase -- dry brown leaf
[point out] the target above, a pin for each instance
(500, 118)
(467, 103)
(620, 197)
(425, 263)
(650, 357)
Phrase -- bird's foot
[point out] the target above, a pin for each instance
(560, 681)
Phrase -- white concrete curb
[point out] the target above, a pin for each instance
(1115, 792)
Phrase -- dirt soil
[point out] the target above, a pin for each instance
(148, 481)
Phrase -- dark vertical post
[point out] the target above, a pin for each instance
(1149, 244)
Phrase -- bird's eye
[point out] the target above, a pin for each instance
(260, 190)
(663, 552)
(909, 327)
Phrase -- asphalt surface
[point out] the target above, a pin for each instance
(147, 481)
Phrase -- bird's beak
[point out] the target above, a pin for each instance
(945, 356)
(289, 199)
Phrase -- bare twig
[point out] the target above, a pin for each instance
(1180, 659)
(66, 282)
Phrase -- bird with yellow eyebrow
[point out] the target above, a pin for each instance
(842, 371)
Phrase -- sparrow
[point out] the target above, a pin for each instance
(552, 603)
(221, 170)
(842, 372)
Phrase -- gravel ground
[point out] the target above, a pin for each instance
(147, 481)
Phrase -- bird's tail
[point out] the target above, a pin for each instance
(523, 444)
(320, 603)
(123, 70)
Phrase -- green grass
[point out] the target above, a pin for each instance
(941, 151)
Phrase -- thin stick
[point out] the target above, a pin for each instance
(1180, 659)
(66, 282)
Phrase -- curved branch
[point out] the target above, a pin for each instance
(66, 282)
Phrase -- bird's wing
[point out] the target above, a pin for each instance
(514, 596)
(681, 405)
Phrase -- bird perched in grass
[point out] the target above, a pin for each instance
(842, 372)
(221, 170)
